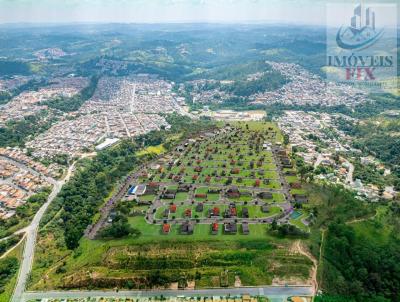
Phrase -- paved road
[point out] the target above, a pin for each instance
(31, 234)
(269, 291)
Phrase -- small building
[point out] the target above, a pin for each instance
(177, 178)
(231, 211)
(214, 228)
(300, 198)
(187, 228)
(245, 212)
(235, 171)
(166, 213)
(172, 208)
(265, 208)
(214, 191)
(152, 188)
(214, 212)
(286, 163)
(199, 207)
(295, 185)
(200, 195)
(230, 227)
(233, 192)
(265, 195)
(166, 228)
(167, 196)
(183, 188)
(245, 228)
(188, 213)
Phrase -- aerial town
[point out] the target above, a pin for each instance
(317, 138)
(20, 178)
(143, 160)
(28, 103)
(306, 88)
(120, 108)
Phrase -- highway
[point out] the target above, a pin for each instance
(31, 235)
(269, 291)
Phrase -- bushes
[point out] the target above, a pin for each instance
(288, 230)
(8, 267)
(357, 268)
(119, 228)
(10, 242)
(15, 132)
(82, 196)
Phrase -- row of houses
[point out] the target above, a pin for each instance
(214, 212)
(229, 228)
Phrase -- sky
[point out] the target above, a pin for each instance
(311, 12)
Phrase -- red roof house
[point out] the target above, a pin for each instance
(166, 228)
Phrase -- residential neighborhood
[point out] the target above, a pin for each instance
(316, 138)
(120, 108)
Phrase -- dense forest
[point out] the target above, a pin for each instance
(267, 82)
(10, 68)
(360, 249)
(359, 269)
(8, 268)
(5, 245)
(81, 197)
(16, 132)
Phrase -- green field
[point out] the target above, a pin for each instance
(153, 259)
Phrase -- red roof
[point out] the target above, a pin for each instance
(216, 211)
(166, 227)
(172, 208)
(215, 226)
(235, 171)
